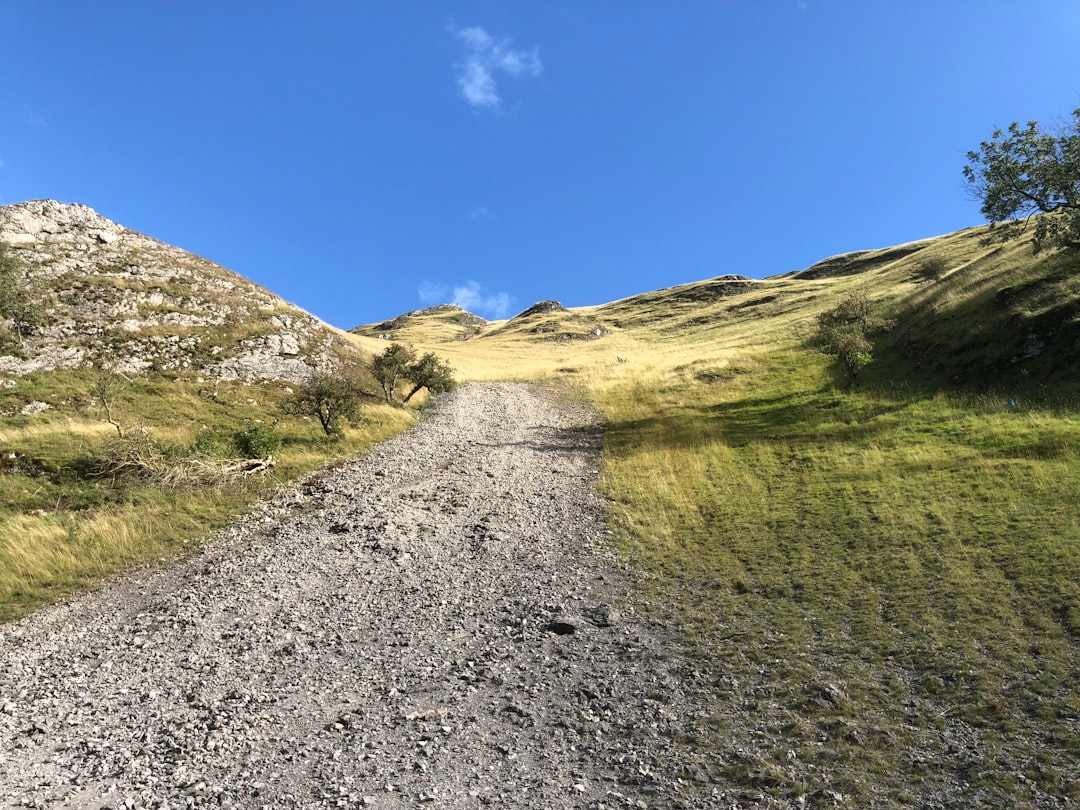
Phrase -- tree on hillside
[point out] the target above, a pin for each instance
(17, 304)
(844, 332)
(1023, 171)
(390, 366)
(109, 387)
(333, 399)
(431, 373)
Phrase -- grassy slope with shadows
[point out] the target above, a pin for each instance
(882, 584)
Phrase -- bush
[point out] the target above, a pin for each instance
(932, 269)
(211, 443)
(256, 440)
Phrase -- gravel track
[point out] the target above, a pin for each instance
(435, 625)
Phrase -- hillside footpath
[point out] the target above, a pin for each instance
(437, 624)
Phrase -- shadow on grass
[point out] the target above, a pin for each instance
(802, 417)
(1021, 337)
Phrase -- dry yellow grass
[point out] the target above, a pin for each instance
(49, 555)
(67, 425)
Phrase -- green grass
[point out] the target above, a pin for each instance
(62, 529)
(879, 586)
(921, 553)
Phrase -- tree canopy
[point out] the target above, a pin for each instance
(844, 332)
(390, 366)
(1024, 171)
(330, 398)
(431, 373)
(398, 362)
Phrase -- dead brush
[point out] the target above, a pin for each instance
(138, 456)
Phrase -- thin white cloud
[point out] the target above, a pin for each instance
(32, 118)
(471, 296)
(486, 56)
(432, 293)
(477, 212)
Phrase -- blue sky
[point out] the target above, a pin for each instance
(362, 159)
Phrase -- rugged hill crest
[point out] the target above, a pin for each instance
(455, 321)
(114, 296)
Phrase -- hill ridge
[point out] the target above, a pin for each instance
(113, 295)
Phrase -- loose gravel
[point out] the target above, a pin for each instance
(438, 624)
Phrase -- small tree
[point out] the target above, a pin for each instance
(390, 366)
(16, 303)
(431, 373)
(1023, 171)
(843, 332)
(331, 398)
(109, 386)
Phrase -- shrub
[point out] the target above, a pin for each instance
(932, 269)
(256, 440)
(333, 399)
(211, 443)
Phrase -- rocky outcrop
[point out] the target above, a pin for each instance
(116, 297)
(541, 307)
(460, 323)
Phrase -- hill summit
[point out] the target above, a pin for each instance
(113, 296)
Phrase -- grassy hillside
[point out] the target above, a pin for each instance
(175, 337)
(880, 585)
(883, 584)
(68, 518)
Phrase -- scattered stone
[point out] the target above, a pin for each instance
(602, 615)
(379, 635)
(540, 308)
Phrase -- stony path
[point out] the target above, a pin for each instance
(435, 625)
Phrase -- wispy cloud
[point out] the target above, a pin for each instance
(32, 118)
(480, 212)
(484, 58)
(432, 293)
(471, 296)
